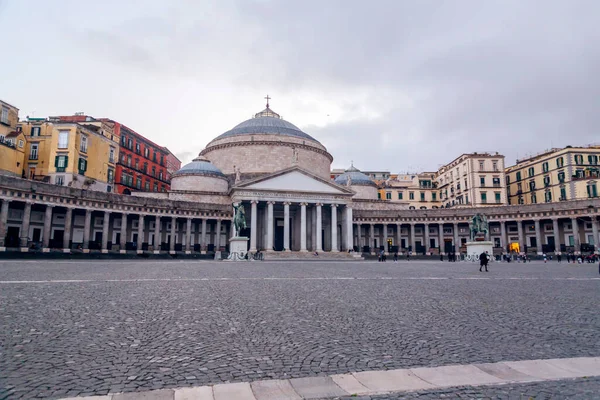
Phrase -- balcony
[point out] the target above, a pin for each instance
(33, 156)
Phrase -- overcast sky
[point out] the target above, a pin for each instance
(393, 85)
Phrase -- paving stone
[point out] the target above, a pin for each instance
(276, 389)
(350, 384)
(233, 391)
(541, 369)
(163, 394)
(581, 366)
(195, 393)
(455, 375)
(504, 372)
(317, 387)
(385, 381)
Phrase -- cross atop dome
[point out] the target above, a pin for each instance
(267, 112)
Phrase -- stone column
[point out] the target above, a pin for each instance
(303, 227)
(270, 226)
(521, 236)
(157, 234)
(286, 226)
(441, 238)
(413, 238)
(123, 241)
(385, 238)
(47, 229)
(576, 235)
(334, 238)
(538, 236)
(188, 237)
(319, 229)
(173, 235)
(503, 235)
(67, 232)
(140, 235)
(203, 237)
(399, 237)
(372, 249)
(359, 237)
(595, 232)
(105, 226)
(426, 237)
(556, 229)
(87, 226)
(253, 225)
(349, 229)
(456, 238)
(3, 223)
(218, 236)
(24, 239)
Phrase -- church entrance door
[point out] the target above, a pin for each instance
(278, 239)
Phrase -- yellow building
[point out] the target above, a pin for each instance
(571, 173)
(419, 191)
(12, 142)
(70, 154)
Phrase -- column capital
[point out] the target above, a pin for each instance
(287, 203)
(334, 205)
(319, 204)
(254, 201)
(304, 204)
(270, 202)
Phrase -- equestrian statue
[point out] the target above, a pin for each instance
(479, 224)
(239, 219)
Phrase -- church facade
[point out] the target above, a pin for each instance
(281, 175)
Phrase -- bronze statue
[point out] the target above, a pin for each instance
(239, 219)
(479, 224)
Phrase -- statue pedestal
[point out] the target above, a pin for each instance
(476, 248)
(238, 248)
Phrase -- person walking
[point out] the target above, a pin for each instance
(545, 258)
(396, 256)
(558, 258)
(483, 262)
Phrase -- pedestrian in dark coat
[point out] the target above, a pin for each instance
(483, 262)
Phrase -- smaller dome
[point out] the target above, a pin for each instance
(199, 166)
(357, 178)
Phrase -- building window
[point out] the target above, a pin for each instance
(137, 164)
(495, 165)
(545, 167)
(130, 143)
(110, 175)
(531, 185)
(563, 193)
(518, 176)
(561, 176)
(35, 131)
(498, 197)
(129, 160)
(592, 190)
(33, 151)
(153, 171)
(137, 147)
(546, 181)
(388, 196)
(4, 116)
(160, 175)
(433, 196)
(531, 171)
(61, 163)
(138, 183)
(481, 165)
(82, 166)
(123, 140)
(378, 196)
(496, 182)
(147, 186)
(548, 196)
(83, 144)
(482, 181)
(145, 168)
(578, 159)
(162, 159)
(21, 143)
(163, 188)
(411, 195)
(399, 195)
(507, 180)
(111, 155)
(560, 162)
(422, 196)
(146, 152)
(63, 139)
(59, 180)
(483, 197)
(154, 158)
(533, 198)
(593, 160)
(579, 173)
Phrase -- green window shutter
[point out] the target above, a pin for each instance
(66, 161)
(56, 161)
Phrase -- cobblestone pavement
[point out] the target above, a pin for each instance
(90, 328)
(568, 389)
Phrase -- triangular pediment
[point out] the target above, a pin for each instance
(295, 180)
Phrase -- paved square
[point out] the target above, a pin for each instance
(92, 328)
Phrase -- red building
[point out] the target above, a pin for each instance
(142, 164)
(173, 164)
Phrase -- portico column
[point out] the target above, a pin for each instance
(556, 229)
(140, 236)
(538, 237)
(334, 239)
(372, 238)
(105, 225)
(303, 227)
(218, 236)
(413, 239)
(24, 239)
(123, 240)
(3, 223)
(319, 229)
(399, 237)
(286, 227)
(188, 236)
(595, 232)
(503, 235)
(173, 235)
(157, 234)
(253, 224)
(270, 225)
(426, 236)
(203, 237)
(48, 229)
(385, 238)
(359, 237)
(441, 238)
(349, 229)
(521, 238)
(456, 238)
(67, 232)
(576, 236)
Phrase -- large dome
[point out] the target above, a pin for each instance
(199, 176)
(356, 177)
(266, 144)
(199, 166)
